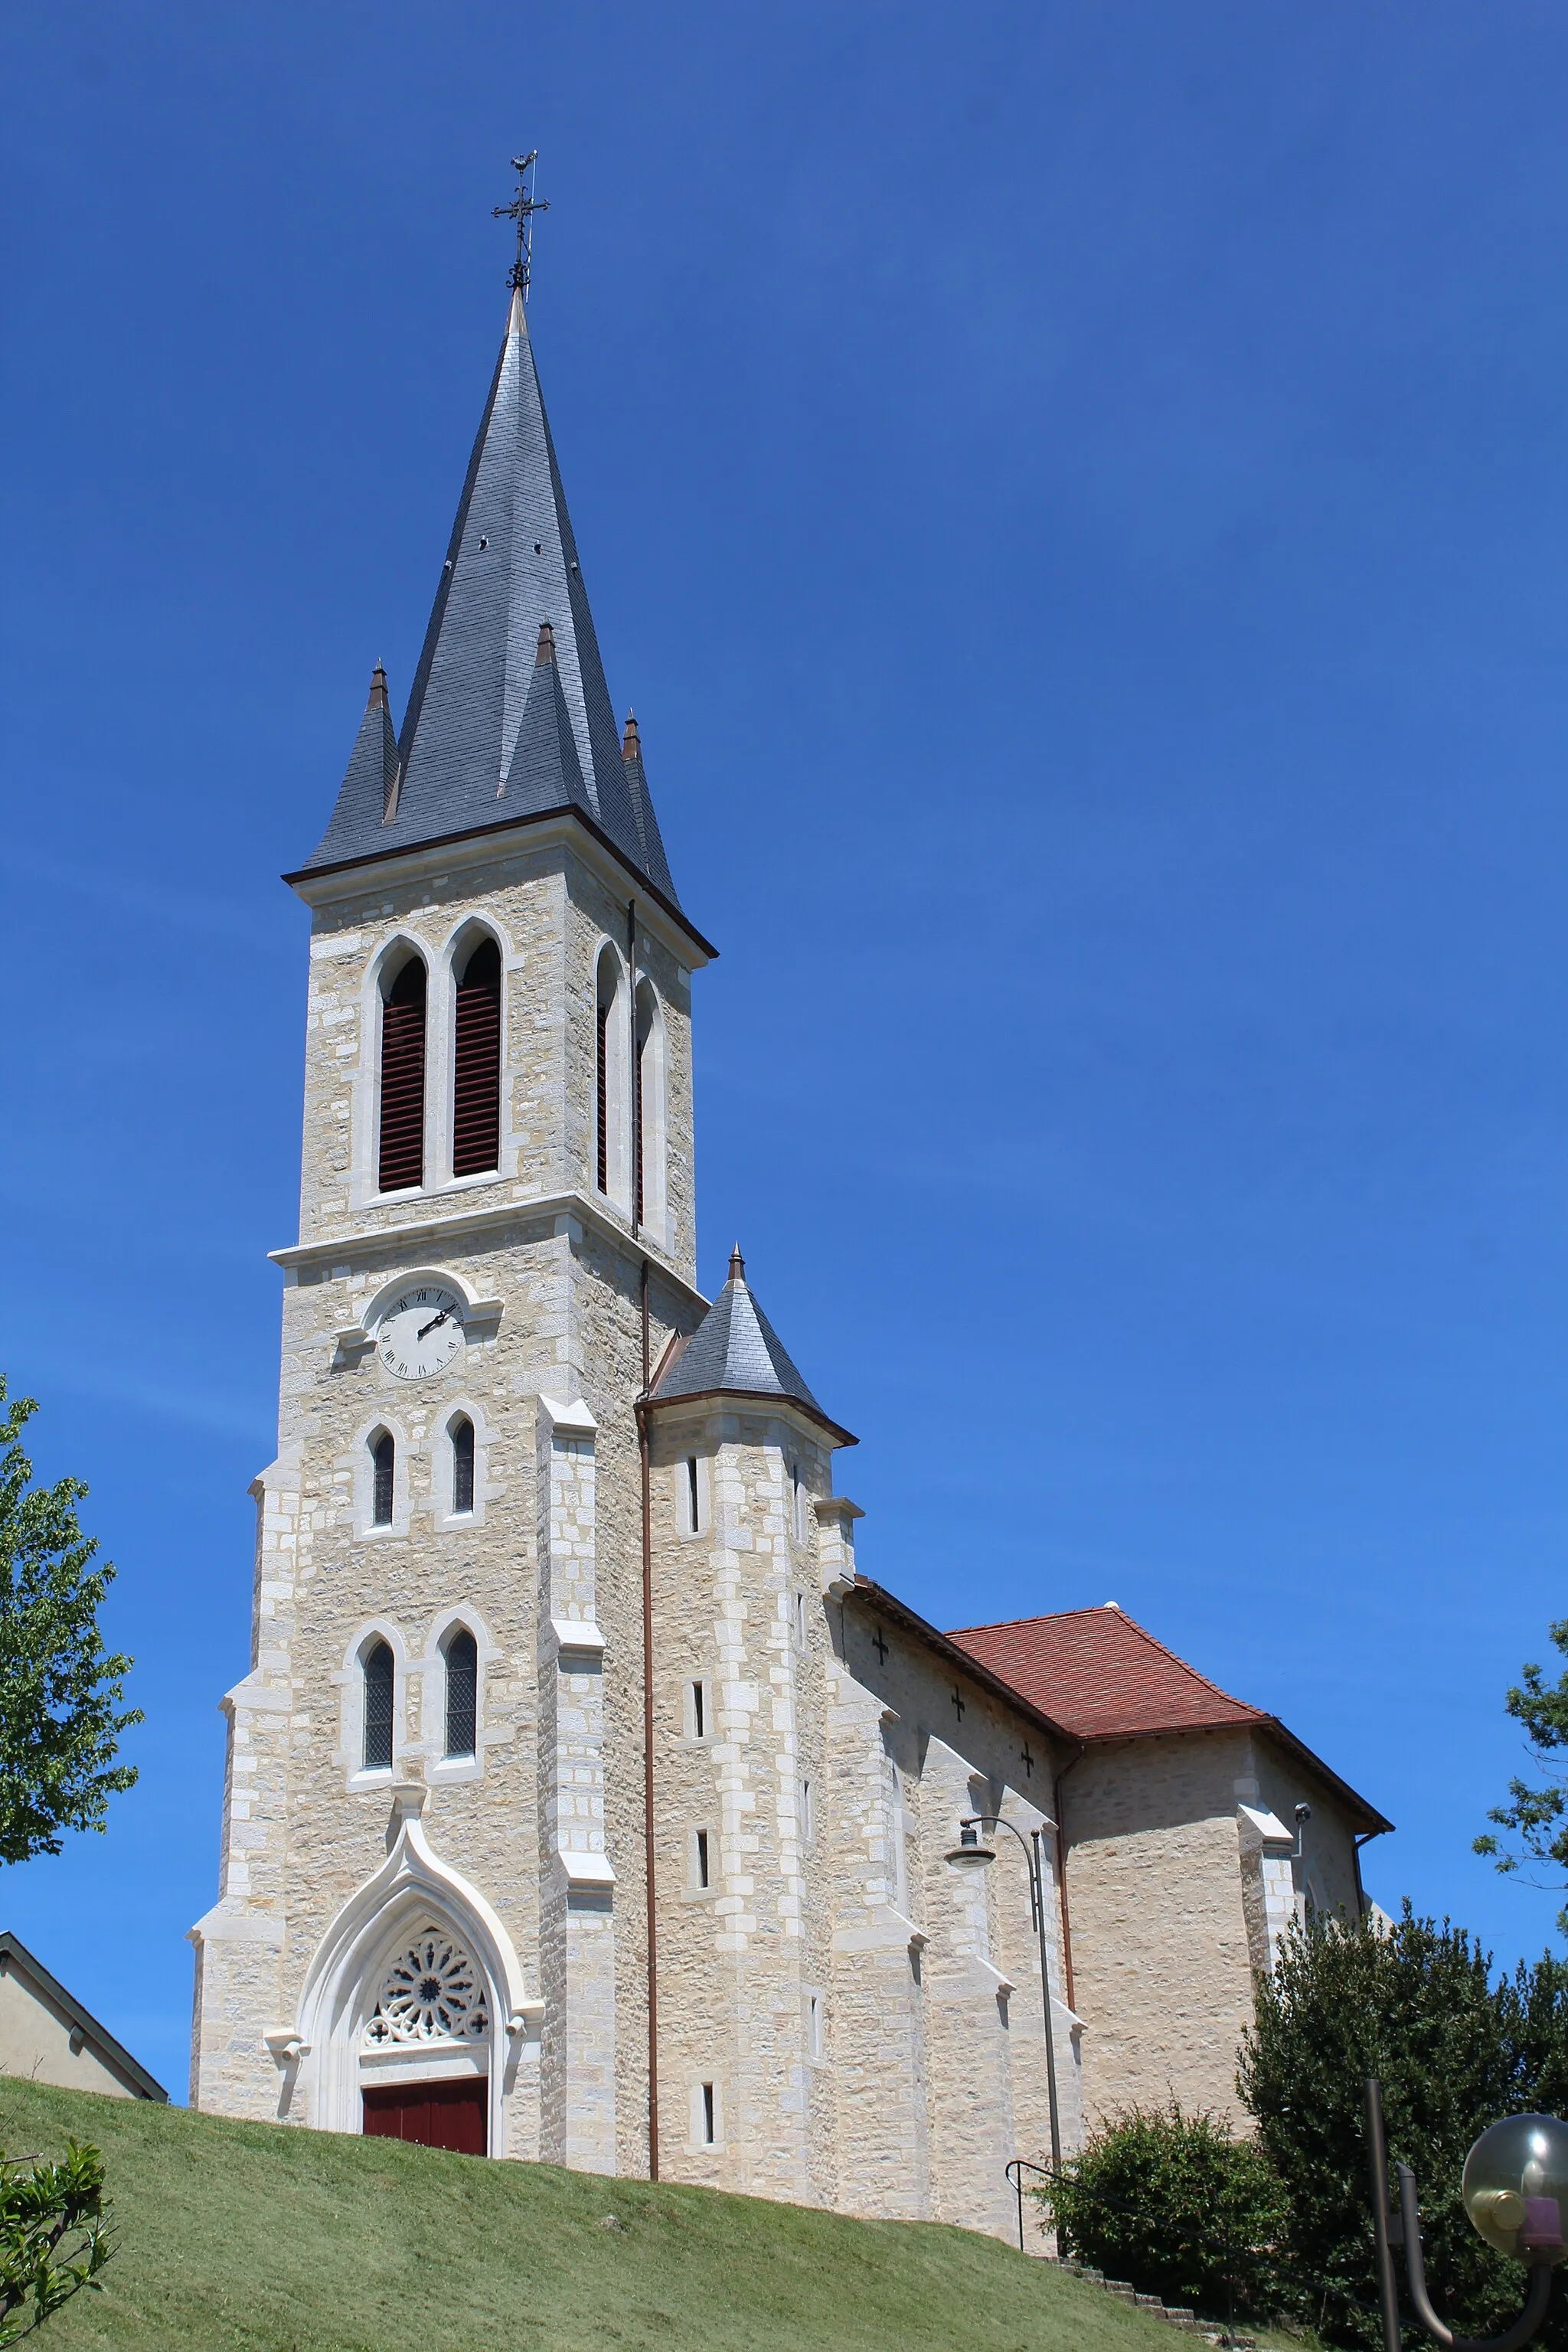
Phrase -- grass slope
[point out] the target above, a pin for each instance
(275, 2240)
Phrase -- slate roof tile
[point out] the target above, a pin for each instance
(735, 1352)
(481, 739)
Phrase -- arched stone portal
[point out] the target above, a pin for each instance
(412, 2010)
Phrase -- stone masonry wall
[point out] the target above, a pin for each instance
(304, 1823)
(1161, 1969)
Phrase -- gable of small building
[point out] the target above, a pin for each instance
(47, 2036)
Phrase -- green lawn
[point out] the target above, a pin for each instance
(261, 2236)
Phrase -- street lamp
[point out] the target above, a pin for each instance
(1515, 2189)
(970, 1851)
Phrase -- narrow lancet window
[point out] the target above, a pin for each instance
(649, 1108)
(462, 1656)
(378, 1681)
(476, 1074)
(604, 1010)
(383, 1468)
(462, 1466)
(639, 1056)
(401, 1143)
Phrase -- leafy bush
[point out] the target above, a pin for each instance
(1416, 2006)
(1178, 2206)
(54, 2235)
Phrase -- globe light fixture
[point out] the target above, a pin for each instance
(1515, 2191)
(1516, 2188)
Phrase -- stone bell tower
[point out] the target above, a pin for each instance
(431, 1919)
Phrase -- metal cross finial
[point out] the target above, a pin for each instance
(521, 210)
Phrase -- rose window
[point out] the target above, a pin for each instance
(431, 1992)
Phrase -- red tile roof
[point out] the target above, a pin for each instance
(1101, 1676)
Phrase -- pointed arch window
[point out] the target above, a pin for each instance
(462, 1465)
(475, 1065)
(648, 1109)
(382, 1477)
(609, 1080)
(379, 1674)
(401, 1165)
(461, 1653)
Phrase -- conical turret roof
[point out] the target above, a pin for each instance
(494, 730)
(735, 1352)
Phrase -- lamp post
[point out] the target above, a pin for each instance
(1515, 2188)
(970, 1852)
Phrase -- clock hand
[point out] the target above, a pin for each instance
(443, 1317)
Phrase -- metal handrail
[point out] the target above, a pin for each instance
(1019, 2165)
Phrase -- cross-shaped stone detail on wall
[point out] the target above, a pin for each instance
(957, 1702)
(881, 1647)
(1028, 1762)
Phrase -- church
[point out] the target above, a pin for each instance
(585, 1801)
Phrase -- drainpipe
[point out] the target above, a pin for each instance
(647, 1749)
(1362, 1905)
(1059, 1808)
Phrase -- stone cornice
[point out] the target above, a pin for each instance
(319, 886)
(465, 1226)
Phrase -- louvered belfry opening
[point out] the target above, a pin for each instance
(401, 1162)
(476, 1080)
(378, 1676)
(602, 1089)
(639, 1114)
(462, 1658)
(638, 1129)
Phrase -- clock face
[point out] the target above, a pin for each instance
(420, 1332)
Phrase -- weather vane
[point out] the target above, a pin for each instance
(521, 210)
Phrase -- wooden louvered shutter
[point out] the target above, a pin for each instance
(403, 1081)
(639, 1049)
(603, 1096)
(475, 1083)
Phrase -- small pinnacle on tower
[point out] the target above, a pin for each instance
(631, 741)
(378, 689)
(736, 1264)
(546, 652)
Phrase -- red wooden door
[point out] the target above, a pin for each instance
(432, 2115)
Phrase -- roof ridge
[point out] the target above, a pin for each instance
(1196, 1672)
(1055, 1616)
(1044, 1617)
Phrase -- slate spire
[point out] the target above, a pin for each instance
(735, 1352)
(493, 730)
(367, 796)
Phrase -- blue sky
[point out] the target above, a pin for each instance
(1077, 497)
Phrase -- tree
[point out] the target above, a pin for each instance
(1177, 2206)
(1537, 1812)
(59, 1691)
(53, 2236)
(1414, 2005)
